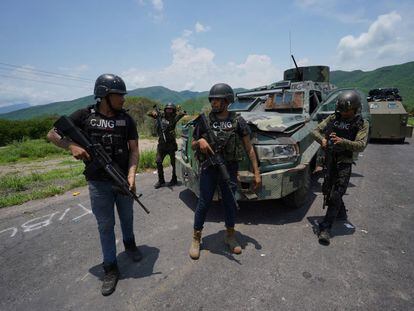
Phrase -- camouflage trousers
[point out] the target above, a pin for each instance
(336, 205)
(162, 151)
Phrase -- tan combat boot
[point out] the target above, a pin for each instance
(195, 245)
(230, 240)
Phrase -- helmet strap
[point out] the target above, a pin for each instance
(109, 103)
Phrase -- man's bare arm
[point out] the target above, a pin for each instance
(77, 151)
(253, 159)
(133, 162)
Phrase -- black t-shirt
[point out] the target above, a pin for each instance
(122, 124)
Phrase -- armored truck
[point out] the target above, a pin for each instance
(389, 118)
(281, 117)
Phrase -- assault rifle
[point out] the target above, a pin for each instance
(159, 123)
(330, 171)
(216, 159)
(99, 156)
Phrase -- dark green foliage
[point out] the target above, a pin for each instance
(138, 107)
(156, 93)
(17, 130)
(195, 105)
(27, 149)
(399, 76)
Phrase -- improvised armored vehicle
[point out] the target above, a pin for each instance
(389, 118)
(280, 116)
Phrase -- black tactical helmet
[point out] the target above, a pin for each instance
(348, 100)
(221, 90)
(170, 106)
(107, 84)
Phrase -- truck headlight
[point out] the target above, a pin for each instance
(277, 154)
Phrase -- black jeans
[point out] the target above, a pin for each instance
(335, 203)
(164, 149)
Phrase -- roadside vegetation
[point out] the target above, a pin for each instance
(411, 121)
(28, 150)
(42, 170)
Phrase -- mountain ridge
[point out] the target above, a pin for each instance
(400, 76)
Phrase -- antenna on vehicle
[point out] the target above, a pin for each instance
(290, 49)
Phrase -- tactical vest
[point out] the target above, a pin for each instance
(169, 126)
(111, 133)
(344, 128)
(228, 139)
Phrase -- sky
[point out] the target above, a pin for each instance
(53, 50)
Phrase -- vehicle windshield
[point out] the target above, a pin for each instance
(285, 101)
(244, 104)
(330, 103)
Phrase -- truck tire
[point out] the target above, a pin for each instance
(298, 198)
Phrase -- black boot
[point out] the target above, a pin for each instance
(110, 279)
(132, 250)
(324, 237)
(173, 181)
(161, 180)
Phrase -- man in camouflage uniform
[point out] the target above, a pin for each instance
(167, 144)
(341, 134)
(233, 132)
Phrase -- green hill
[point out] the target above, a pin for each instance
(399, 76)
(157, 93)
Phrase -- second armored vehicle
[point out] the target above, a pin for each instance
(389, 118)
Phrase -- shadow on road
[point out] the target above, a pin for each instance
(378, 141)
(339, 228)
(256, 212)
(214, 243)
(131, 269)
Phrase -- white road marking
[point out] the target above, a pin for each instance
(12, 228)
(88, 211)
(64, 213)
(37, 225)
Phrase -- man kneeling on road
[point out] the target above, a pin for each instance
(340, 135)
(108, 124)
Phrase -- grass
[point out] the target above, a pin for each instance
(411, 121)
(29, 150)
(19, 188)
(147, 160)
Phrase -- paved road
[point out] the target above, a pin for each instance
(50, 256)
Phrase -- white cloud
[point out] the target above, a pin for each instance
(387, 41)
(158, 7)
(157, 4)
(201, 28)
(195, 68)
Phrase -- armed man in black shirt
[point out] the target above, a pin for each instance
(107, 124)
(167, 144)
(340, 135)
